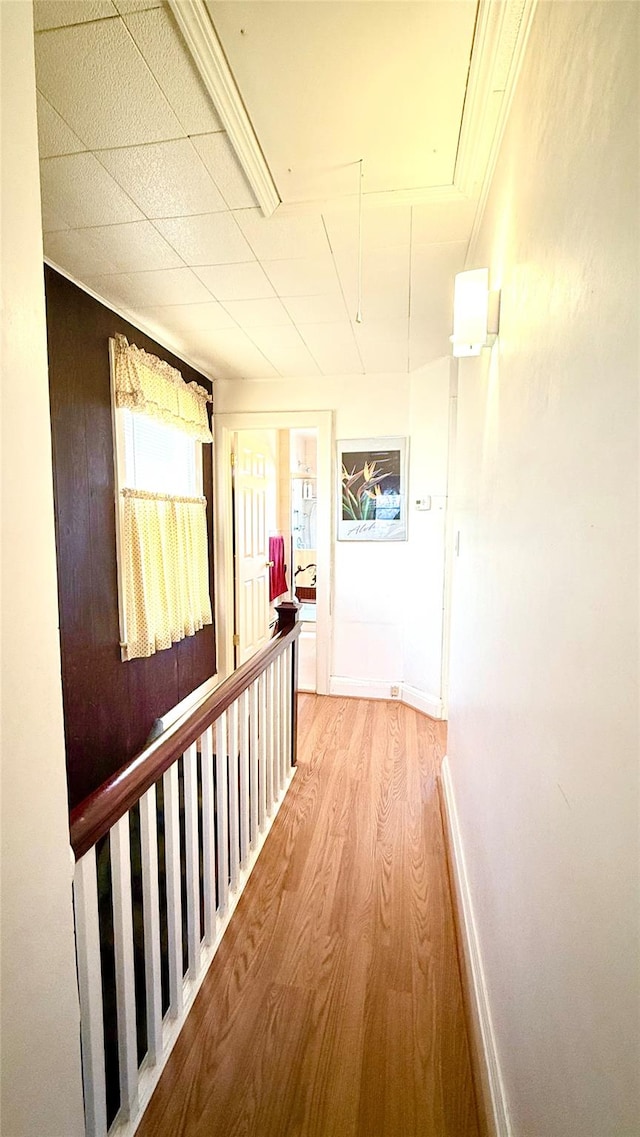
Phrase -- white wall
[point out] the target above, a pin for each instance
(423, 616)
(387, 603)
(41, 1083)
(543, 737)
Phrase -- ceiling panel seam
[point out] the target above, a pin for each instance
(353, 335)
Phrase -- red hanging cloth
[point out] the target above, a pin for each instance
(277, 570)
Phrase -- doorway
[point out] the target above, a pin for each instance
(313, 518)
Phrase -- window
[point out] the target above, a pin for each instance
(158, 457)
(160, 425)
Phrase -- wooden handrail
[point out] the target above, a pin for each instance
(95, 816)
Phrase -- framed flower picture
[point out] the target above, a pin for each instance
(372, 489)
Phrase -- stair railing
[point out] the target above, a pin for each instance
(163, 852)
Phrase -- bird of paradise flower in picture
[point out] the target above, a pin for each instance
(371, 485)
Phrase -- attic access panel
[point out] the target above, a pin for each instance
(328, 83)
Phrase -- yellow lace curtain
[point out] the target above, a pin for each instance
(165, 550)
(167, 570)
(147, 384)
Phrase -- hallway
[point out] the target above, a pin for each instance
(333, 1007)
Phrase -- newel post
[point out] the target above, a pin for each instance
(288, 613)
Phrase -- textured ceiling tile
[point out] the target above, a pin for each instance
(333, 347)
(219, 157)
(385, 283)
(126, 6)
(51, 221)
(57, 13)
(236, 281)
(108, 96)
(293, 361)
(74, 251)
(136, 247)
(383, 226)
(283, 236)
(267, 313)
(54, 136)
(272, 338)
(316, 309)
(79, 189)
(242, 357)
(442, 221)
(210, 239)
(148, 289)
(425, 348)
(159, 40)
(433, 270)
(165, 179)
(111, 248)
(198, 320)
(304, 276)
(198, 347)
(384, 345)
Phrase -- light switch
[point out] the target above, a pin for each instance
(423, 503)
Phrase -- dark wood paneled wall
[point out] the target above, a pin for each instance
(109, 706)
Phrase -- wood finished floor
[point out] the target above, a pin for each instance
(333, 1007)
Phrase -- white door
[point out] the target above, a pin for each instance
(254, 501)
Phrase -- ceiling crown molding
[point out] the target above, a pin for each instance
(508, 55)
(500, 36)
(194, 21)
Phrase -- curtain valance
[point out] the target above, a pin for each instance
(150, 385)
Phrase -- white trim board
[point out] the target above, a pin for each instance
(421, 701)
(484, 1042)
(348, 688)
(360, 688)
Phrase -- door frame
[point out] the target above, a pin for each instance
(225, 426)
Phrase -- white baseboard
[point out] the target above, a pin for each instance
(420, 701)
(359, 688)
(484, 1044)
(376, 689)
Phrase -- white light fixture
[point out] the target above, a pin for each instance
(476, 313)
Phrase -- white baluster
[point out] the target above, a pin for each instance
(277, 725)
(151, 917)
(286, 714)
(234, 819)
(208, 837)
(85, 891)
(192, 868)
(222, 803)
(262, 750)
(243, 711)
(270, 741)
(253, 746)
(123, 948)
(174, 897)
(292, 698)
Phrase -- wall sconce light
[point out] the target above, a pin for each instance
(476, 313)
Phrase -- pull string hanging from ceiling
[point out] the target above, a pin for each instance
(361, 175)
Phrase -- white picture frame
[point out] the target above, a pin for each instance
(372, 489)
